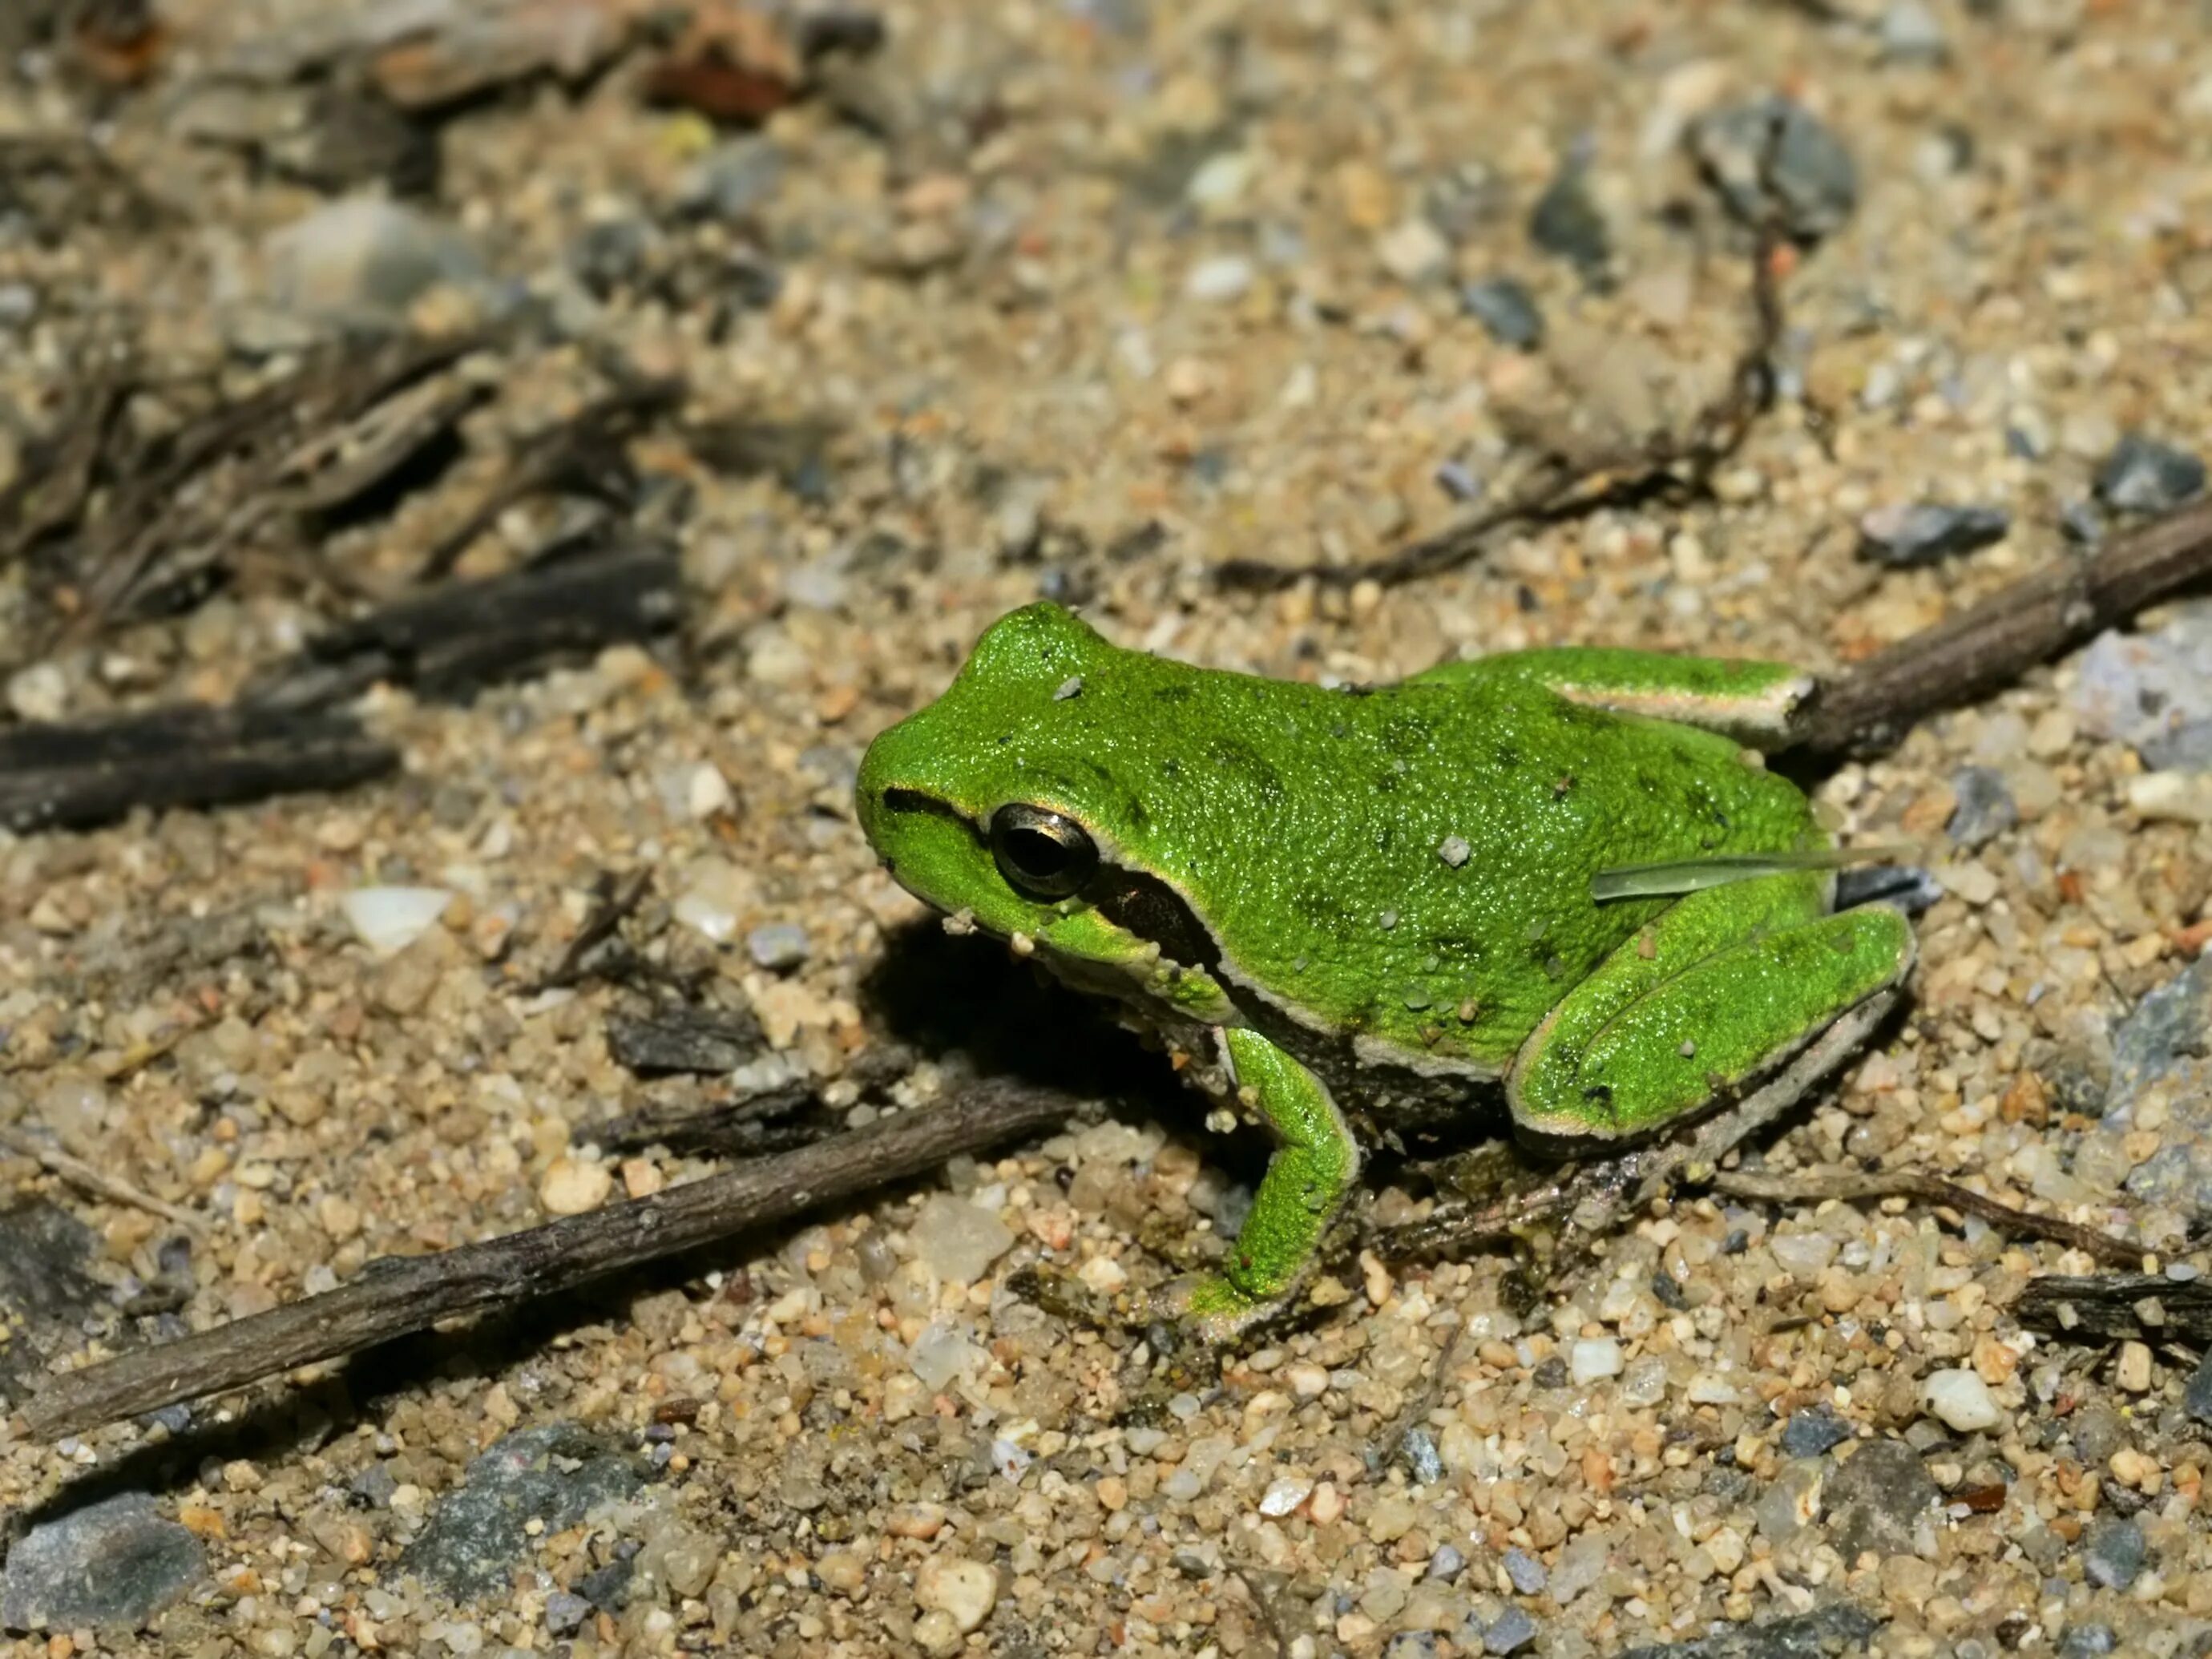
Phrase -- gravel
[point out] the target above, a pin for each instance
(114, 1562)
(1077, 300)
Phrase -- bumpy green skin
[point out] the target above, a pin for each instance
(1392, 887)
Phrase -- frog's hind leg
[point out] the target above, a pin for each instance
(1757, 704)
(1715, 995)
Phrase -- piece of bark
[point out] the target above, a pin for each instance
(453, 640)
(81, 774)
(770, 1121)
(395, 1297)
(2119, 1308)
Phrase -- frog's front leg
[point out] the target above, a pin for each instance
(1724, 986)
(1306, 1184)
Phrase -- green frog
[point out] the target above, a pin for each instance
(1349, 909)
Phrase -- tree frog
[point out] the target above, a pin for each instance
(1347, 909)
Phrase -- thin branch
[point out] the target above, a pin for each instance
(2026, 622)
(2111, 1250)
(82, 1175)
(395, 1296)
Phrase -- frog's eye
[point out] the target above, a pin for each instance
(1042, 854)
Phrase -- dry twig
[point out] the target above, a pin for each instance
(80, 1174)
(2113, 1251)
(395, 1296)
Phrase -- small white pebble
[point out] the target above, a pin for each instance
(388, 920)
(1454, 850)
(1284, 1495)
(1961, 1400)
(964, 1591)
(1592, 1359)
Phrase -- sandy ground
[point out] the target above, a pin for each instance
(1078, 299)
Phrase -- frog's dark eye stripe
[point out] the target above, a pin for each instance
(1041, 853)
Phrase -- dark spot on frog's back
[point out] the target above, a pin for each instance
(1176, 693)
(1247, 763)
(1506, 757)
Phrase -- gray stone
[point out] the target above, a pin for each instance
(565, 1612)
(2088, 1642)
(958, 1240)
(732, 181)
(2153, 691)
(1567, 221)
(1910, 33)
(47, 1292)
(1789, 1500)
(2113, 1553)
(1772, 159)
(1526, 1571)
(2196, 1397)
(1985, 807)
(1510, 1632)
(1813, 1431)
(1880, 1499)
(364, 261)
(1422, 1460)
(1444, 1565)
(1840, 1627)
(1506, 309)
(114, 1562)
(1907, 536)
(479, 1532)
(2163, 1049)
(779, 946)
(2142, 475)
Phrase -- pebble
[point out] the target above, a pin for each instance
(1568, 223)
(565, 1612)
(1454, 850)
(1510, 1632)
(2196, 1396)
(1961, 1400)
(1984, 808)
(552, 1476)
(572, 1186)
(1285, 1494)
(963, 1590)
(1911, 34)
(958, 1240)
(732, 181)
(2113, 1553)
(1226, 276)
(1506, 310)
(1592, 1359)
(1444, 1565)
(38, 693)
(365, 260)
(1814, 183)
(1789, 1503)
(1812, 1431)
(388, 920)
(111, 1562)
(1907, 536)
(779, 946)
(2152, 689)
(1881, 1499)
(1415, 253)
(2160, 1061)
(942, 1354)
(1525, 1572)
(2087, 1640)
(2144, 475)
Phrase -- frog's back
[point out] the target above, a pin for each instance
(1411, 865)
